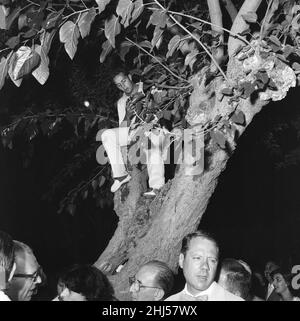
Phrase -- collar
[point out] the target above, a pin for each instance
(207, 292)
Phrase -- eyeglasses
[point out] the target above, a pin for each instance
(137, 284)
(34, 276)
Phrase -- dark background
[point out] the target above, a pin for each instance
(254, 211)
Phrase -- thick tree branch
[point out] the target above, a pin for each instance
(231, 9)
(216, 18)
(239, 24)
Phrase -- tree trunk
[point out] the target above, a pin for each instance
(154, 229)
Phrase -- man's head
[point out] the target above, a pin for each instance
(153, 282)
(124, 82)
(7, 259)
(28, 274)
(235, 278)
(269, 268)
(199, 261)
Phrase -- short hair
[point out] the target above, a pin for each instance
(116, 72)
(203, 234)
(89, 282)
(7, 253)
(164, 277)
(237, 278)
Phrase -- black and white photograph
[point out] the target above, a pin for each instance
(149, 151)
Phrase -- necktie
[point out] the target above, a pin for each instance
(188, 297)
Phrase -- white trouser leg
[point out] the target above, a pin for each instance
(112, 140)
(155, 162)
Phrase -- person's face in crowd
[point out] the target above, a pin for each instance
(199, 264)
(69, 295)
(143, 286)
(279, 283)
(270, 267)
(26, 278)
(124, 83)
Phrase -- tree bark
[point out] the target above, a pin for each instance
(231, 9)
(239, 24)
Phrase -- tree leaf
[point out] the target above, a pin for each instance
(137, 10)
(124, 49)
(288, 49)
(250, 17)
(173, 45)
(102, 180)
(85, 22)
(112, 29)
(239, 118)
(191, 58)
(146, 44)
(26, 60)
(102, 4)
(157, 37)
(158, 18)
(275, 40)
(46, 40)
(219, 138)
(3, 70)
(94, 184)
(2, 18)
(124, 10)
(12, 61)
(41, 73)
(53, 19)
(227, 91)
(69, 34)
(13, 42)
(106, 49)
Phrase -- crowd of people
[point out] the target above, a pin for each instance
(207, 278)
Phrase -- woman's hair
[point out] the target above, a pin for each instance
(89, 282)
(286, 274)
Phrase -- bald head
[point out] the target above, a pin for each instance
(155, 281)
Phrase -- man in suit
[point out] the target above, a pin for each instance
(115, 138)
(199, 260)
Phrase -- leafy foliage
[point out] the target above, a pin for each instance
(167, 47)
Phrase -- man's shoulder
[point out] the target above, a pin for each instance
(220, 294)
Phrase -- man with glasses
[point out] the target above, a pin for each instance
(28, 275)
(153, 282)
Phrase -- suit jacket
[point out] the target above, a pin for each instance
(122, 105)
(214, 293)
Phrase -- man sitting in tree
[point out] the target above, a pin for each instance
(130, 109)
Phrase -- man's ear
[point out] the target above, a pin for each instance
(12, 272)
(159, 294)
(181, 259)
(130, 77)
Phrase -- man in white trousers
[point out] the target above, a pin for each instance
(115, 138)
